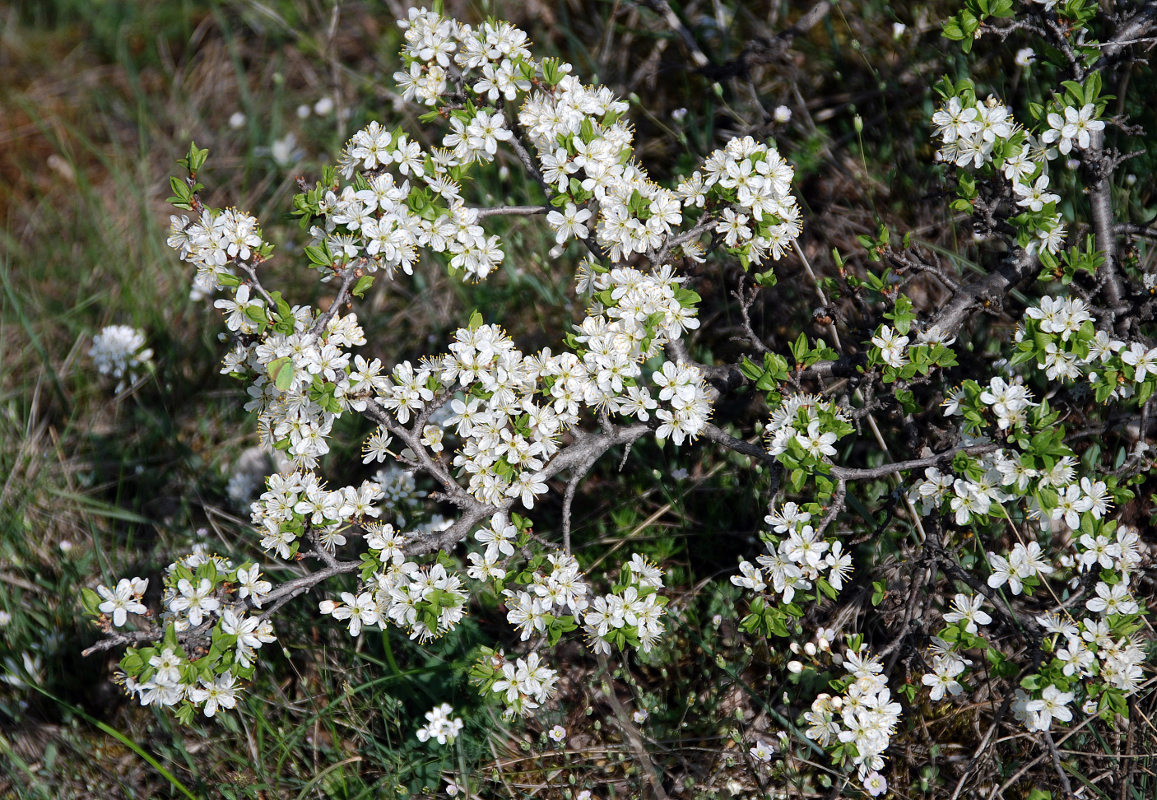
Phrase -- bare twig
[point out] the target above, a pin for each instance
(1101, 212)
(1052, 747)
(504, 211)
(746, 298)
(631, 733)
(248, 269)
(1131, 30)
(116, 640)
(868, 473)
(300, 585)
(984, 743)
(348, 276)
(578, 472)
(663, 8)
(834, 507)
(986, 290)
(714, 434)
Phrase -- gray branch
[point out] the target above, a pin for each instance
(509, 211)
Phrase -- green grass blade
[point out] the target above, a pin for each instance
(127, 742)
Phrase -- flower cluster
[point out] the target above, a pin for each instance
(523, 684)
(1032, 478)
(856, 724)
(441, 725)
(901, 356)
(984, 134)
(119, 351)
(214, 243)
(1070, 126)
(484, 419)
(802, 435)
(426, 600)
(806, 426)
(1061, 337)
(761, 220)
(631, 613)
(551, 596)
(1049, 487)
(561, 591)
(204, 596)
(293, 501)
(495, 51)
(797, 559)
(1095, 660)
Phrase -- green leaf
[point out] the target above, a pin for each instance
(195, 159)
(750, 370)
(319, 254)
(255, 313)
(1093, 87)
(180, 188)
(90, 601)
(550, 71)
(587, 131)
(281, 372)
(799, 348)
(827, 588)
(170, 637)
(182, 194)
(132, 662)
(363, 284)
(1074, 93)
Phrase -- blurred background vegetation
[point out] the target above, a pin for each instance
(98, 98)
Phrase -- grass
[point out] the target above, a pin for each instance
(98, 101)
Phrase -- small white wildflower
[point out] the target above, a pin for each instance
(441, 725)
(875, 784)
(762, 751)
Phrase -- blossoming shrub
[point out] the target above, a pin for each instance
(1024, 584)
